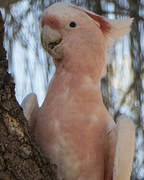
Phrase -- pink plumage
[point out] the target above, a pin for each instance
(73, 127)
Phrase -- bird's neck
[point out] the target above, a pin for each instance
(82, 83)
(86, 63)
(83, 72)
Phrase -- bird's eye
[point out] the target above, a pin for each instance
(73, 24)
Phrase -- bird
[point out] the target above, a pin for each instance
(73, 127)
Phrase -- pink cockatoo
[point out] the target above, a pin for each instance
(73, 127)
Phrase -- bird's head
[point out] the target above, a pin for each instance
(70, 30)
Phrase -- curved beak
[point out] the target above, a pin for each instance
(50, 37)
(51, 40)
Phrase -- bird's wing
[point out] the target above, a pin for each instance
(125, 146)
(30, 108)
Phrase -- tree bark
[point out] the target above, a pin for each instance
(20, 157)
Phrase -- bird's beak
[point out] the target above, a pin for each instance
(51, 40)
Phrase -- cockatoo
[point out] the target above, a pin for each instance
(73, 127)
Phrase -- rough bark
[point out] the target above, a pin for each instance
(20, 157)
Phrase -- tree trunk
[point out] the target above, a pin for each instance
(20, 157)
